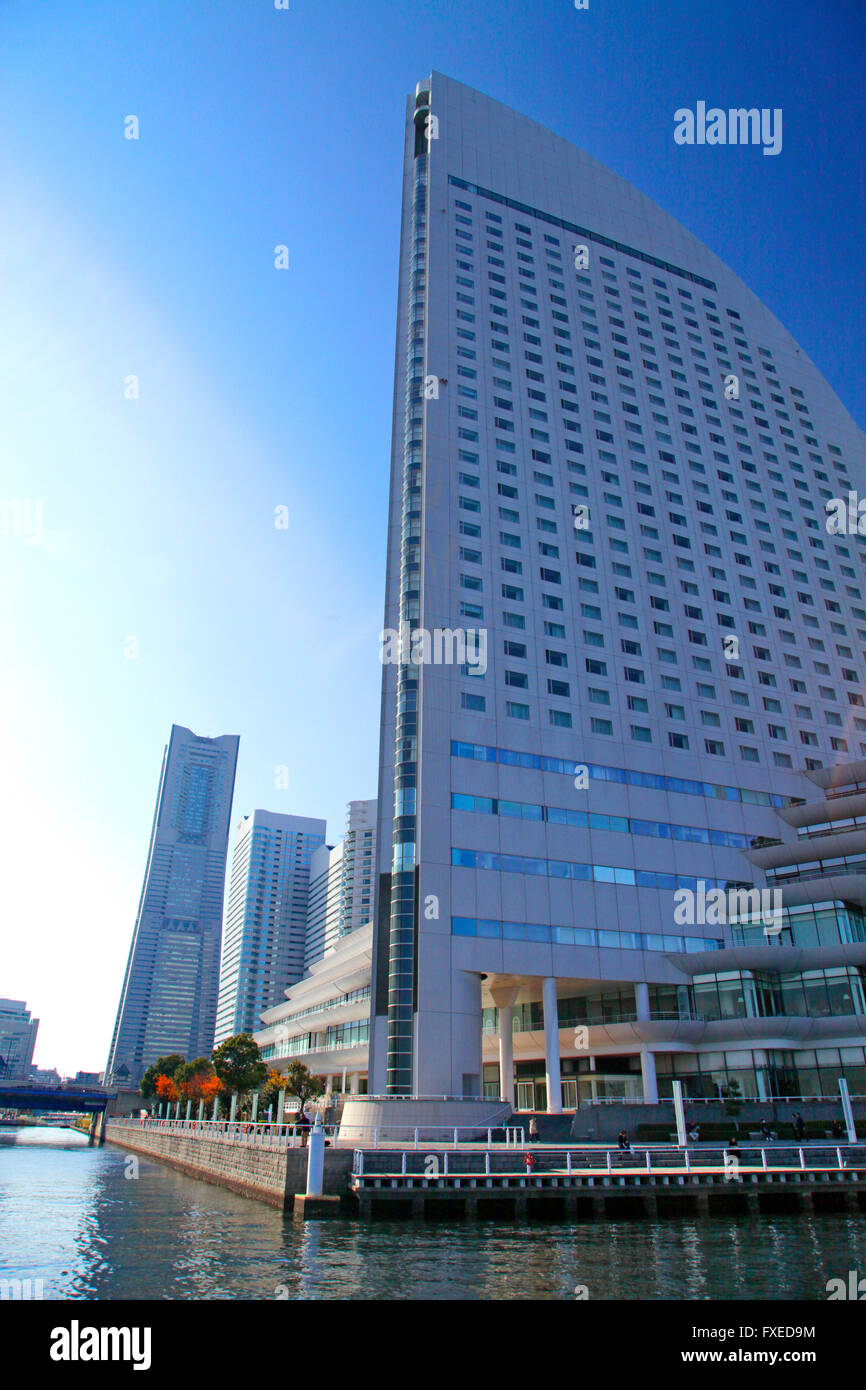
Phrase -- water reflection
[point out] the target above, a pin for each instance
(71, 1216)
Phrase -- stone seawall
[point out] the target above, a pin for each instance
(274, 1176)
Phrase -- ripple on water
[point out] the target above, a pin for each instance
(70, 1215)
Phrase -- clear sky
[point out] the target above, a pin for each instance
(261, 388)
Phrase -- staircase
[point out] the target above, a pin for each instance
(552, 1129)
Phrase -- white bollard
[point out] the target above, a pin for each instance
(316, 1159)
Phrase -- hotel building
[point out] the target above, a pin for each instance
(610, 457)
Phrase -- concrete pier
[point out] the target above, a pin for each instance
(592, 1185)
(275, 1175)
(477, 1182)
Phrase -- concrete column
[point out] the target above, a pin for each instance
(648, 1076)
(506, 1053)
(316, 1159)
(447, 1049)
(641, 999)
(551, 1046)
(504, 997)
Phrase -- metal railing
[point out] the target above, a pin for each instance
(265, 1134)
(733, 1163)
(257, 1135)
(715, 1100)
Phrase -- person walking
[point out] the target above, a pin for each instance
(533, 1130)
(303, 1125)
(799, 1127)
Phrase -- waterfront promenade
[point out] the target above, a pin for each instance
(474, 1176)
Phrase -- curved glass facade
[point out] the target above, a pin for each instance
(816, 924)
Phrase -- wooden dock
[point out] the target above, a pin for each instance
(582, 1184)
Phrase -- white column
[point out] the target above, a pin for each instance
(648, 1076)
(641, 999)
(316, 1159)
(504, 997)
(680, 1113)
(551, 1046)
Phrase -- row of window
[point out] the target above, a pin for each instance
(479, 752)
(514, 593)
(593, 820)
(584, 873)
(580, 936)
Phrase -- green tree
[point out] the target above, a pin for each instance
(238, 1063)
(163, 1066)
(270, 1093)
(300, 1082)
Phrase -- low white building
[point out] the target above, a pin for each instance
(325, 1019)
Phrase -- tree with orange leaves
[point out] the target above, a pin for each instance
(166, 1089)
(191, 1077)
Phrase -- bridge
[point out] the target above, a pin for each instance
(82, 1099)
(63, 1099)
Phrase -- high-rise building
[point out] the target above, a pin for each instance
(613, 464)
(341, 883)
(324, 1018)
(169, 997)
(17, 1040)
(266, 916)
(323, 913)
(358, 867)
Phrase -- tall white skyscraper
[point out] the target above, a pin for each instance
(614, 463)
(342, 883)
(266, 917)
(358, 868)
(17, 1040)
(169, 996)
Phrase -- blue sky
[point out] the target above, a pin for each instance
(262, 388)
